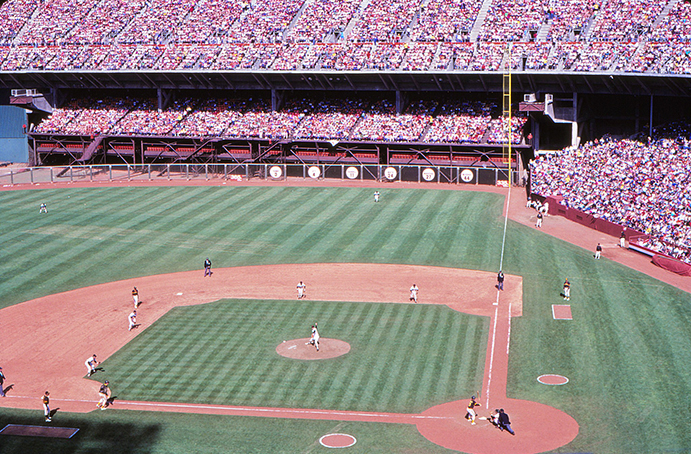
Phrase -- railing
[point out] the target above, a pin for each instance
(240, 172)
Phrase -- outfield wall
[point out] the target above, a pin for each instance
(244, 172)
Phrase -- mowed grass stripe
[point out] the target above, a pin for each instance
(266, 210)
(239, 366)
(381, 241)
(422, 214)
(373, 333)
(359, 332)
(316, 233)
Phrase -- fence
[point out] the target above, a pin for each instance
(248, 171)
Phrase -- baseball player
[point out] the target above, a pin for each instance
(301, 290)
(46, 406)
(598, 251)
(567, 290)
(470, 410)
(538, 224)
(104, 394)
(91, 364)
(314, 340)
(133, 320)
(135, 297)
(413, 293)
(2, 382)
(43, 208)
(207, 267)
(376, 196)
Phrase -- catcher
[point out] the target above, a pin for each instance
(104, 394)
(470, 410)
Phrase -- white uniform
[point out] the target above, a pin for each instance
(133, 320)
(135, 297)
(376, 196)
(301, 290)
(315, 337)
(413, 293)
(90, 364)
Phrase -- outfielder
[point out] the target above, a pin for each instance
(43, 208)
(133, 320)
(376, 196)
(104, 394)
(135, 297)
(91, 364)
(301, 290)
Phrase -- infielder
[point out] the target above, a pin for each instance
(104, 394)
(2, 383)
(301, 290)
(567, 290)
(413, 293)
(135, 297)
(470, 415)
(91, 364)
(207, 267)
(133, 320)
(46, 406)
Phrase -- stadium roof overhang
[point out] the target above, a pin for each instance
(407, 81)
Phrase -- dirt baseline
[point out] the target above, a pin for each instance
(30, 330)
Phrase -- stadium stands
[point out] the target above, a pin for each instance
(468, 35)
(643, 186)
(336, 119)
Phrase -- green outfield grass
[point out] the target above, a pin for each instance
(627, 352)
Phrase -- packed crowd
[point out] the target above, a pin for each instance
(432, 121)
(446, 21)
(513, 20)
(567, 19)
(627, 21)
(410, 35)
(644, 186)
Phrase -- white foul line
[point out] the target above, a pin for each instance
(491, 356)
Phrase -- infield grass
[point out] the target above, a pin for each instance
(404, 358)
(627, 352)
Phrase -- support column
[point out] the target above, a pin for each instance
(277, 99)
(401, 101)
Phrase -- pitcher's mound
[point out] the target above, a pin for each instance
(300, 349)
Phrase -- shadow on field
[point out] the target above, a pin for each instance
(99, 432)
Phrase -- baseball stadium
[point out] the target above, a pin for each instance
(375, 226)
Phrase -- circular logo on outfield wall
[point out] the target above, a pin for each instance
(428, 174)
(390, 173)
(352, 172)
(276, 172)
(467, 175)
(314, 172)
